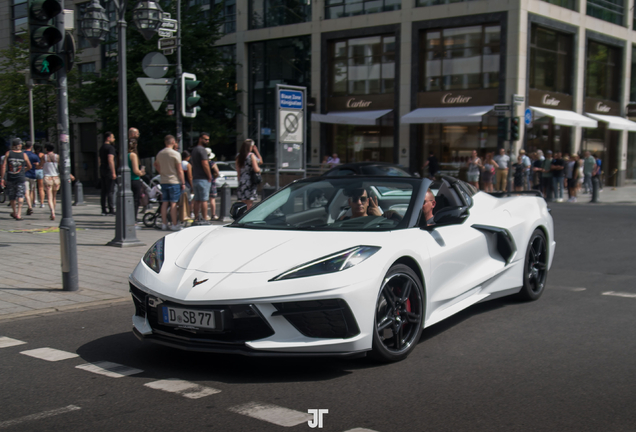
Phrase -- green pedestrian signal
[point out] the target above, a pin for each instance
(190, 100)
(44, 35)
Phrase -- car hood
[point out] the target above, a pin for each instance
(243, 250)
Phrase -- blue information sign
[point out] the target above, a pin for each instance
(291, 99)
(528, 116)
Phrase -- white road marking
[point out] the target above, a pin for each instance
(272, 413)
(6, 342)
(49, 354)
(360, 430)
(109, 369)
(619, 294)
(39, 416)
(184, 388)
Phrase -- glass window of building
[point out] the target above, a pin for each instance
(603, 71)
(272, 13)
(224, 9)
(345, 8)
(568, 4)
(271, 62)
(460, 58)
(551, 60)
(362, 66)
(632, 84)
(608, 10)
(20, 20)
(87, 72)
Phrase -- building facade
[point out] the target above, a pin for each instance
(393, 80)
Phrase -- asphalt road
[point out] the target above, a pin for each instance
(563, 363)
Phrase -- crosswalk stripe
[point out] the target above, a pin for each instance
(184, 388)
(109, 369)
(620, 294)
(272, 413)
(6, 342)
(49, 354)
(360, 430)
(38, 416)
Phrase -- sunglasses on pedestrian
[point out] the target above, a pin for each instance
(362, 199)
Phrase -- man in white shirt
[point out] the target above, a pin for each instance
(526, 162)
(503, 160)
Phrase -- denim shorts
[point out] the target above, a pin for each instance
(39, 174)
(201, 190)
(170, 192)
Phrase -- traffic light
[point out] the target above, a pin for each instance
(190, 101)
(514, 128)
(502, 128)
(44, 35)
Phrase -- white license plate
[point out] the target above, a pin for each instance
(187, 317)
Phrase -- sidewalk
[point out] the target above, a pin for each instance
(31, 279)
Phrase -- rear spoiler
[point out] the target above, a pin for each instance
(514, 193)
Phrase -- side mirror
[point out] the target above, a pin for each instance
(237, 210)
(451, 216)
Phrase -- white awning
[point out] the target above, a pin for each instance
(566, 118)
(350, 117)
(614, 122)
(447, 115)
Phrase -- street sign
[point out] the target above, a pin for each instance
(168, 51)
(169, 24)
(501, 109)
(167, 43)
(165, 33)
(291, 126)
(155, 65)
(528, 116)
(155, 89)
(518, 99)
(291, 99)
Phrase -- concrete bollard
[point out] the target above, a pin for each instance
(226, 202)
(79, 194)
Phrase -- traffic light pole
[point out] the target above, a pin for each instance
(179, 72)
(68, 239)
(125, 218)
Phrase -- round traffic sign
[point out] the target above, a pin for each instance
(291, 123)
(149, 62)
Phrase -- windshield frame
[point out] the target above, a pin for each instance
(410, 219)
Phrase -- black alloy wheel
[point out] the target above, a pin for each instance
(535, 269)
(399, 315)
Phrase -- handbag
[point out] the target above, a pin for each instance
(256, 178)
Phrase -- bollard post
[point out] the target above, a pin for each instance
(595, 188)
(79, 194)
(226, 202)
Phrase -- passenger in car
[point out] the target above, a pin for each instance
(428, 206)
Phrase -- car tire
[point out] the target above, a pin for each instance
(149, 220)
(399, 315)
(535, 267)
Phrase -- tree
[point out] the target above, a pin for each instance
(199, 34)
(14, 96)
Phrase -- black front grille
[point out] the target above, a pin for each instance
(330, 318)
(239, 323)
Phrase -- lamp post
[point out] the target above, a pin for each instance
(94, 25)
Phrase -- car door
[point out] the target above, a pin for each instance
(460, 261)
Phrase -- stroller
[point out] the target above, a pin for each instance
(153, 218)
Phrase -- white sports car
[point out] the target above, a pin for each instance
(340, 266)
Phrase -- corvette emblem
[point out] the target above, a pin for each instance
(195, 282)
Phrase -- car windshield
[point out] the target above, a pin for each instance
(224, 166)
(337, 204)
(383, 170)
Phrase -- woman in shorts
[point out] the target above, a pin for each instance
(474, 169)
(51, 177)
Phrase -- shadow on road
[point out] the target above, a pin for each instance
(159, 362)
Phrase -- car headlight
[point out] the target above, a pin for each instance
(330, 264)
(154, 257)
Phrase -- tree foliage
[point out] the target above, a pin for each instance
(14, 96)
(199, 56)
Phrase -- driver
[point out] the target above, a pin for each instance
(427, 208)
(361, 204)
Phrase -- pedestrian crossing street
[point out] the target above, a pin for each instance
(274, 414)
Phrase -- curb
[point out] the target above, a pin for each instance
(69, 308)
